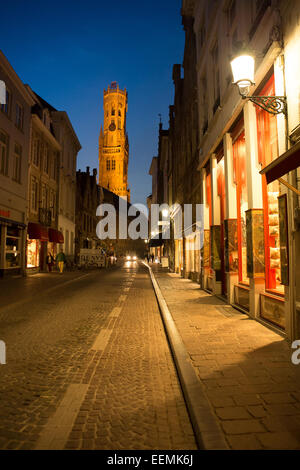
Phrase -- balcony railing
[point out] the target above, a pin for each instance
(45, 217)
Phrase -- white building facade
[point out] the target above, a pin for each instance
(249, 159)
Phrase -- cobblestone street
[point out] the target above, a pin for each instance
(88, 365)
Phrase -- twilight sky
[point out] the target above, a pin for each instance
(70, 50)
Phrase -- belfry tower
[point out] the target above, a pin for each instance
(113, 142)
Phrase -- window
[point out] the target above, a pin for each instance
(204, 105)
(3, 153)
(216, 76)
(46, 159)
(6, 108)
(107, 165)
(240, 179)
(113, 111)
(120, 114)
(119, 124)
(113, 164)
(268, 152)
(34, 194)
(54, 167)
(19, 116)
(36, 152)
(17, 159)
(12, 248)
(231, 12)
(201, 37)
(44, 196)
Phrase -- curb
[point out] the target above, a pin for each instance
(206, 427)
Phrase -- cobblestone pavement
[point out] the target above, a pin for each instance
(88, 366)
(244, 367)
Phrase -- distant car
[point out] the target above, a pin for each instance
(128, 257)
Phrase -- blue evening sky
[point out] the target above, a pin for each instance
(70, 50)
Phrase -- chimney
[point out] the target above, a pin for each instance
(95, 172)
(88, 170)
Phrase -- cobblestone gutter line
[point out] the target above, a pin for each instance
(206, 427)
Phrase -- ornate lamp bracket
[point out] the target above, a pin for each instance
(271, 104)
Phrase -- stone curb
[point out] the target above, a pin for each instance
(206, 427)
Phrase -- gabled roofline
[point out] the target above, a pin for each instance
(15, 79)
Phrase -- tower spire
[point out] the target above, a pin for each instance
(113, 142)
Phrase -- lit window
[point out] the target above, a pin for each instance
(7, 106)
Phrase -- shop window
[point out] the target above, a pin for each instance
(4, 140)
(33, 257)
(12, 248)
(240, 179)
(267, 152)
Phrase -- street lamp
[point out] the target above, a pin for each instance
(243, 76)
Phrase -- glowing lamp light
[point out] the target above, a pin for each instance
(243, 73)
(165, 213)
(243, 76)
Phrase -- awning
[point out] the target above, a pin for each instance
(55, 236)
(288, 161)
(37, 232)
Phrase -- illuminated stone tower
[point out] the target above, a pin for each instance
(113, 142)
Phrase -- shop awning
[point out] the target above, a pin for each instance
(288, 161)
(37, 232)
(55, 236)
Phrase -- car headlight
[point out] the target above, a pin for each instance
(134, 258)
(128, 258)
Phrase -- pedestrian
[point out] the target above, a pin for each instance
(61, 259)
(50, 261)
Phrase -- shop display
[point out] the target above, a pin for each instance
(231, 245)
(32, 253)
(284, 255)
(216, 247)
(255, 243)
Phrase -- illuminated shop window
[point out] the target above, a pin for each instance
(240, 179)
(267, 152)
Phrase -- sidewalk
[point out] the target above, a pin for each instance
(245, 369)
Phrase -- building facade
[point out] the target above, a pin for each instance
(251, 233)
(14, 156)
(87, 196)
(43, 236)
(70, 147)
(113, 142)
